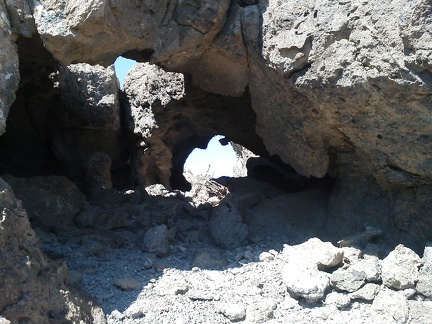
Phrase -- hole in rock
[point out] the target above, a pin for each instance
(216, 160)
(122, 66)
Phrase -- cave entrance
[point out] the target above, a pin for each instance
(217, 160)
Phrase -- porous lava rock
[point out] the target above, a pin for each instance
(168, 117)
(337, 89)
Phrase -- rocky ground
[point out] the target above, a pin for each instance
(174, 257)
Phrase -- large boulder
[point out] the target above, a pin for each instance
(33, 288)
(52, 201)
(353, 81)
(400, 269)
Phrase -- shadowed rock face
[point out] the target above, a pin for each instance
(332, 88)
(168, 118)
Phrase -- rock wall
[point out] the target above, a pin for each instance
(332, 88)
(34, 289)
(168, 118)
(9, 75)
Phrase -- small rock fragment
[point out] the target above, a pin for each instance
(234, 312)
(209, 259)
(407, 293)
(156, 240)
(148, 263)
(338, 299)
(347, 279)
(202, 295)
(371, 267)
(367, 292)
(128, 283)
(308, 283)
(117, 314)
(260, 312)
(265, 256)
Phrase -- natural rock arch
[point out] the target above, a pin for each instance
(346, 95)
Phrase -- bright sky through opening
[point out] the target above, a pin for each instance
(220, 158)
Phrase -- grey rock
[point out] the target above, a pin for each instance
(367, 292)
(202, 295)
(400, 269)
(338, 299)
(348, 279)
(21, 18)
(156, 240)
(360, 240)
(134, 312)
(226, 226)
(9, 74)
(266, 256)
(105, 218)
(371, 267)
(407, 293)
(54, 200)
(390, 307)
(420, 312)
(89, 97)
(98, 172)
(4, 320)
(301, 274)
(148, 263)
(424, 284)
(23, 261)
(190, 24)
(304, 281)
(209, 259)
(261, 311)
(324, 255)
(128, 283)
(117, 314)
(234, 312)
(175, 284)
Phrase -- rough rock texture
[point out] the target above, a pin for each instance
(301, 273)
(227, 227)
(424, 284)
(186, 30)
(9, 75)
(349, 93)
(62, 116)
(390, 307)
(370, 63)
(52, 201)
(400, 268)
(33, 288)
(332, 88)
(88, 120)
(168, 118)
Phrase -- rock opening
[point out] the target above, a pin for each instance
(216, 160)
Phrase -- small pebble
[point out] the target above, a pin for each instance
(265, 256)
(128, 283)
